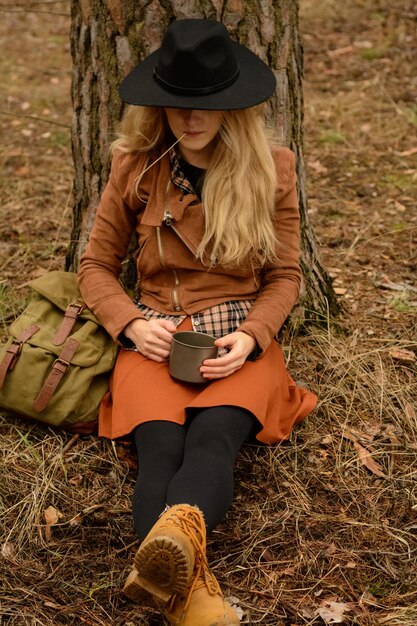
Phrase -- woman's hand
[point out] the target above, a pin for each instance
(240, 346)
(152, 338)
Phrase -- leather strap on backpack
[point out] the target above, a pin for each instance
(60, 366)
(13, 351)
(72, 312)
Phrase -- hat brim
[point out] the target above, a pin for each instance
(254, 84)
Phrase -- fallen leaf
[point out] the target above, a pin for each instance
(52, 605)
(408, 152)
(52, 517)
(391, 431)
(234, 603)
(340, 291)
(317, 166)
(353, 434)
(347, 434)
(124, 454)
(22, 172)
(363, 44)
(366, 459)
(333, 612)
(365, 456)
(328, 439)
(400, 207)
(409, 411)
(340, 51)
(76, 480)
(396, 286)
(330, 550)
(402, 355)
(8, 551)
(307, 612)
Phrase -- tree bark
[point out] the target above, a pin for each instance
(108, 37)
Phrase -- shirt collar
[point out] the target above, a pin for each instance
(178, 177)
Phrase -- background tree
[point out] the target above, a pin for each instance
(108, 37)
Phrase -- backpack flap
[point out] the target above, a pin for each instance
(60, 288)
(96, 348)
(48, 374)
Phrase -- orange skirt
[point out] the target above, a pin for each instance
(141, 390)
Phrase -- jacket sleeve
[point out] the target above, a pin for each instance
(101, 264)
(280, 282)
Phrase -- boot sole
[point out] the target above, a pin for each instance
(134, 591)
(164, 567)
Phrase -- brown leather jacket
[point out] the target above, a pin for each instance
(169, 226)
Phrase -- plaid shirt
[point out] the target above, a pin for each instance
(218, 320)
(178, 177)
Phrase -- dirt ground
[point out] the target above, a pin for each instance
(323, 527)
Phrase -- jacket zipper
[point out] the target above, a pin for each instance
(175, 291)
(168, 219)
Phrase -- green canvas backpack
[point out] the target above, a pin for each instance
(55, 366)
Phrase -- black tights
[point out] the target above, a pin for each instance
(191, 464)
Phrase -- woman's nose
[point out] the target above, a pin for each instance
(190, 114)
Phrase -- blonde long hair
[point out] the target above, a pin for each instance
(239, 186)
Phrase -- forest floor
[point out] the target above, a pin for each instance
(323, 527)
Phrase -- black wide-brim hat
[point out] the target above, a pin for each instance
(199, 66)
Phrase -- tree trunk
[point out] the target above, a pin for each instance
(108, 37)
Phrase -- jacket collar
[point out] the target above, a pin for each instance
(169, 189)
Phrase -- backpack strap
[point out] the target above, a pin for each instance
(13, 351)
(72, 312)
(60, 366)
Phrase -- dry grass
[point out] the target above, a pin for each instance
(326, 517)
(341, 525)
(325, 521)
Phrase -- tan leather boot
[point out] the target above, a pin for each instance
(202, 604)
(166, 558)
(135, 592)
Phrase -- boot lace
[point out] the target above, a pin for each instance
(202, 578)
(190, 521)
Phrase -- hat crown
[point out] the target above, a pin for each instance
(196, 56)
(199, 66)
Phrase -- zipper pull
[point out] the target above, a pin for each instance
(167, 217)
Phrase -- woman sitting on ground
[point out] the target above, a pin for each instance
(213, 204)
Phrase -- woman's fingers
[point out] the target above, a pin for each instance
(240, 345)
(152, 338)
(156, 354)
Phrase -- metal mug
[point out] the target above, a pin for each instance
(188, 351)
